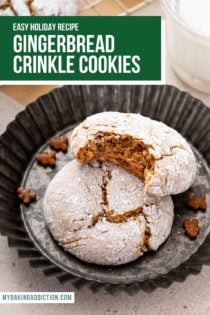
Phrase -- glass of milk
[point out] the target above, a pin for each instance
(188, 36)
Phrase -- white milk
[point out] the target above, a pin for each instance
(188, 34)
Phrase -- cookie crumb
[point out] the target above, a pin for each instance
(59, 143)
(46, 158)
(191, 228)
(26, 195)
(197, 202)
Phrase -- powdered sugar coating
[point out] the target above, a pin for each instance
(38, 7)
(175, 164)
(75, 196)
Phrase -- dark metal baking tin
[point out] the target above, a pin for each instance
(58, 112)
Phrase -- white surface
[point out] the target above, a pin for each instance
(187, 298)
(8, 109)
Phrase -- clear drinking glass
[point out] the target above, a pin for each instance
(188, 36)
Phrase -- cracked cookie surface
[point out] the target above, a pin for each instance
(38, 7)
(149, 149)
(99, 213)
